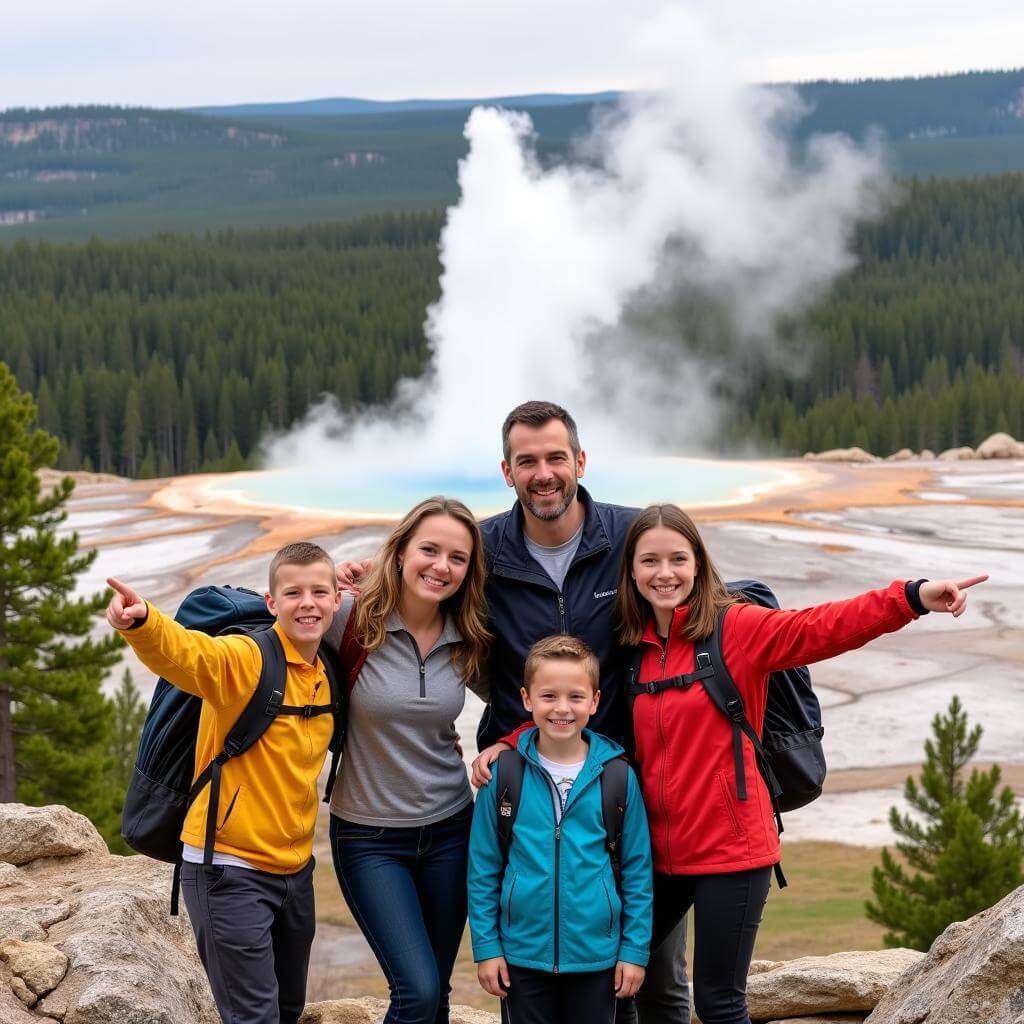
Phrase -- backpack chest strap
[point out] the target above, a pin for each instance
(704, 671)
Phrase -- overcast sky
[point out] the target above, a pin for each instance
(159, 53)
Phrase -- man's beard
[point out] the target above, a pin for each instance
(550, 515)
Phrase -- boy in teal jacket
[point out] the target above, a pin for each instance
(553, 936)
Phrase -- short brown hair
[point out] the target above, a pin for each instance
(536, 414)
(562, 648)
(709, 592)
(303, 552)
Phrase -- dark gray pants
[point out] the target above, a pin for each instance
(254, 931)
(664, 997)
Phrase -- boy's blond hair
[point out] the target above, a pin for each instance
(562, 648)
(303, 552)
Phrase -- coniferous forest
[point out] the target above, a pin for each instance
(175, 354)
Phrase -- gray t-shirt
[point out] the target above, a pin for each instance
(556, 561)
(400, 768)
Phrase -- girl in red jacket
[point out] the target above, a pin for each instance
(713, 851)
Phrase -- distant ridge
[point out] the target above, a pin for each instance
(351, 105)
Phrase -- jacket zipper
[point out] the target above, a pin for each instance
(561, 612)
(553, 791)
(661, 737)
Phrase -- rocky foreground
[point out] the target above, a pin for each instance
(85, 938)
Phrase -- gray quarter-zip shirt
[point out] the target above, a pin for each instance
(400, 768)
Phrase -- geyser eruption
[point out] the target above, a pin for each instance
(631, 283)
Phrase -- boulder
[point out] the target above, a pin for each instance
(88, 937)
(927, 455)
(33, 833)
(839, 983)
(842, 455)
(40, 967)
(903, 455)
(956, 454)
(1000, 446)
(371, 1011)
(973, 973)
(830, 1018)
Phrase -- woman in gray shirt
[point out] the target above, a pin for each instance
(402, 806)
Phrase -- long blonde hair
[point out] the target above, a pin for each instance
(381, 593)
(709, 591)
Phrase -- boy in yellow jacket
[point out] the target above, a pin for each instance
(252, 909)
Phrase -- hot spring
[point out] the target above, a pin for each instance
(387, 493)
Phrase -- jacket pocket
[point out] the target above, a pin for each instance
(235, 828)
(611, 909)
(730, 809)
(508, 904)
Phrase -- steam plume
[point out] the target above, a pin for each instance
(633, 283)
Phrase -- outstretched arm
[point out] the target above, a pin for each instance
(770, 639)
(222, 670)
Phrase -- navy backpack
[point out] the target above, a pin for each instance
(162, 788)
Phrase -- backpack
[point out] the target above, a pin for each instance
(162, 789)
(614, 780)
(789, 753)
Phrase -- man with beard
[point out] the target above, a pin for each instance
(553, 562)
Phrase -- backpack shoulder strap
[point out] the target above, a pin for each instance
(614, 786)
(722, 690)
(511, 766)
(263, 707)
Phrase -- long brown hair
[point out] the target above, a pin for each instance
(709, 591)
(380, 594)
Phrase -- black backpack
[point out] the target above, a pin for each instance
(161, 789)
(614, 780)
(789, 752)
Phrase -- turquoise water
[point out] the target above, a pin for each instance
(633, 481)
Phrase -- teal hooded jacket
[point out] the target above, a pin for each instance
(555, 907)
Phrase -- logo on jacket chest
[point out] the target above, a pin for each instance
(598, 594)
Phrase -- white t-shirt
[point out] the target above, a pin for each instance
(562, 777)
(194, 855)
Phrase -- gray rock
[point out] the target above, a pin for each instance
(903, 455)
(106, 920)
(973, 974)
(1000, 446)
(956, 454)
(33, 833)
(371, 1011)
(842, 455)
(839, 983)
(39, 965)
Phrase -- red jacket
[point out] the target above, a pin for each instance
(684, 744)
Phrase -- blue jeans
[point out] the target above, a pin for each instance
(406, 888)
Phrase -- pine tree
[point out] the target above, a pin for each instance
(54, 720)
(962, 850)
(128, 714)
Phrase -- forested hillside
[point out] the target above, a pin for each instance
(175, 354)
(77, 172)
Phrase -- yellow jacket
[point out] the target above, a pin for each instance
(268, 795)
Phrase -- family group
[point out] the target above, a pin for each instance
(614, 795)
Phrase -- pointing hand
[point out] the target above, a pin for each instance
(947, 595)
(125, 606)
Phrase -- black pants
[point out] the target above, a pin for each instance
(254, 931)
(537, 997)
(726, 915)
(664, 997)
